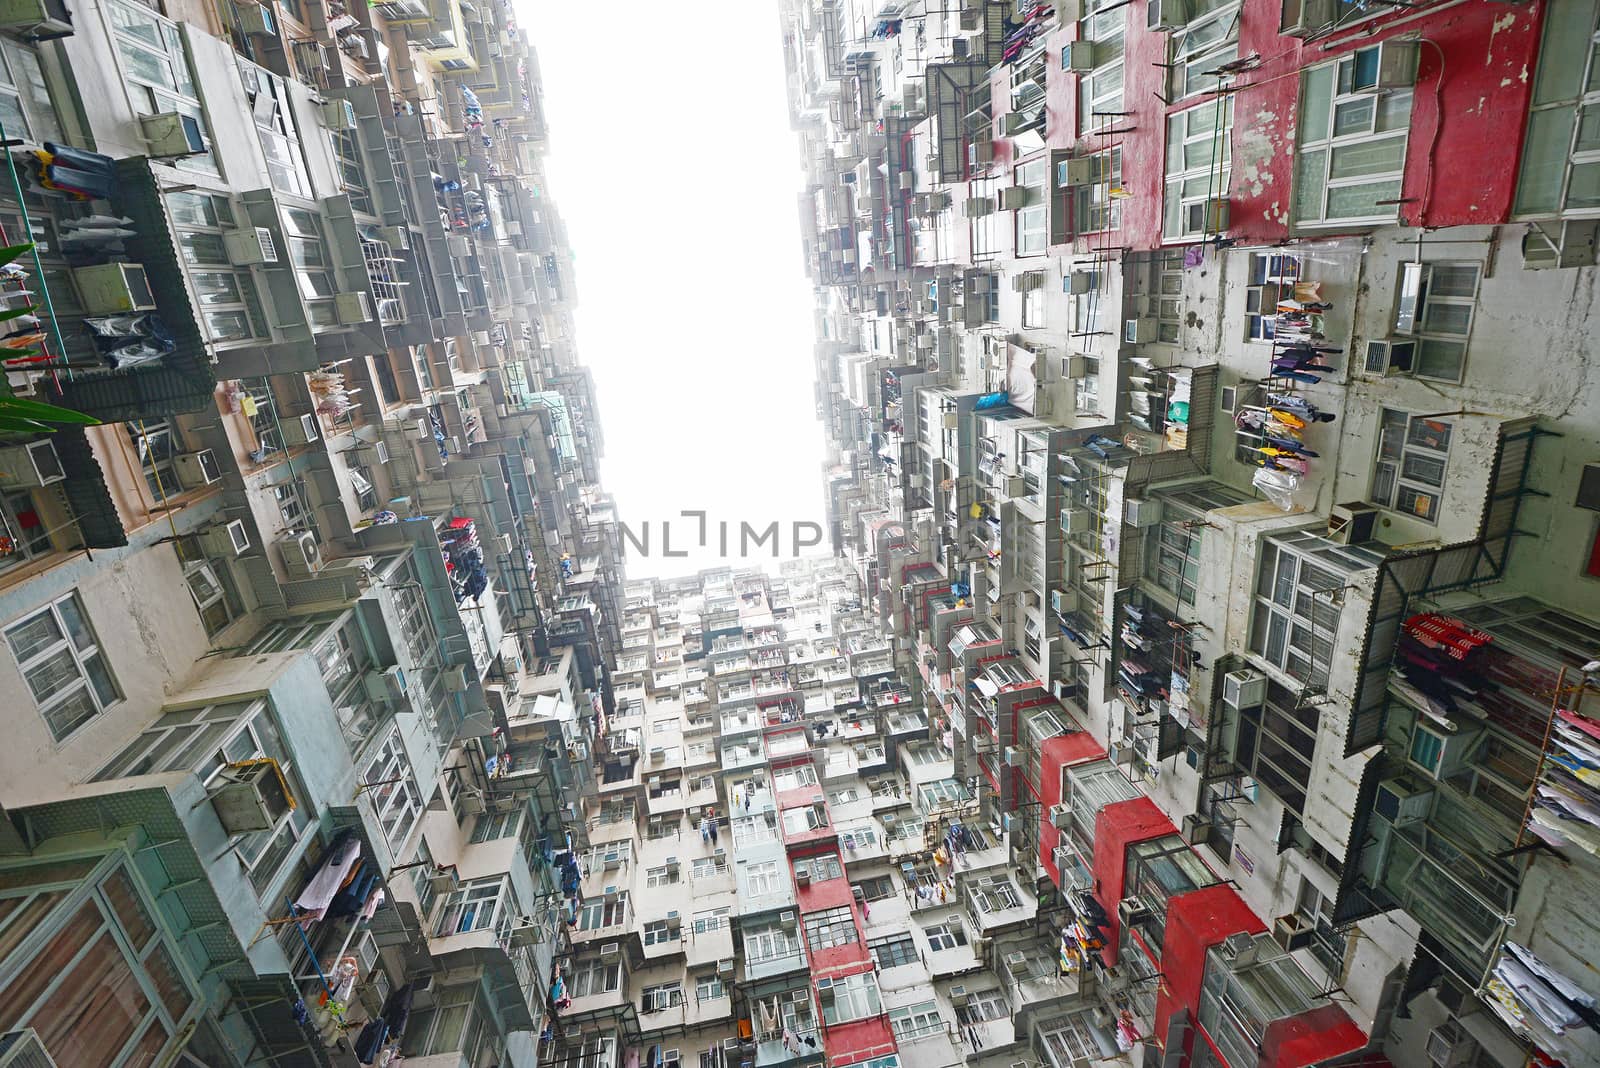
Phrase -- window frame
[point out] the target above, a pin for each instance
(1392, 458)
(82, 645)
(1331, 142)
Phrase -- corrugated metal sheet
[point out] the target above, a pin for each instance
(85, 489)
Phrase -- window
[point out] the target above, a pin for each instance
(945, 791)
(457, 1024)
(666, 875)
(1033, 219)
(478, 905)
(761, 827)
(661, 997)
(1561, 154)
(855, 997)
(352, 171)
(25, 106)
(829, 928)
(22, 530)
(421, 875)
(1276, 742)
(229, 304)
(767, 944)
(1198, 158)
(155, 66)
(822, 868)
(947, 935)
(591, 977)
(1412, 456)
(366, 493)
(313, 267)
(608, 912)
(155, 442)
(661, 827)
(983, 1006)
(1298, 604)
(1172, 557)
(845, 796)
(60, 659)
(995, 893)
(709, 988)
(1100, 90)
(657, 932)
(803, 820)
(863, 836)
(1328, 944)
(762, 878)
(711, 920)
(280, 140)
(893, 951)
(876, 887)
(916, 1021)
(709, 867)
(1272, 279)
(391, 786)
(1436, 305)
(98, 959)
(615, 811)
(794, 778)
(1352, 150)
(492, 825)
(1098, 205)
(211, 585)
(1208, 40)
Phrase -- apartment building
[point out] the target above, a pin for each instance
(1210, 431)
(307, 635)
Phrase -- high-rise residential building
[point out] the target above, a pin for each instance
(1212, 431)
(1202, 676)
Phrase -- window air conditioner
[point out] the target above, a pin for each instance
(338, 114)
(394, 236)
(1079, 282)
(1139, 331)
(1389, 356)
(1302, 18)
(301, 430)
(113, 288)
(35, 19)
(1292, 931)
(1132, 911)
(196, 469)
(978, 207)
(353, 308)
(1244, 689)
(301, 555)
(1402, 801)
(1166, 14)
(1353, 523)
(1396, 68)
(374, 452)
(1196, 829)
(1060, 817)
(1141, 513)
(388, 685)
(225, 539)
(459, 245)
(252, 795)
(30, 466)
(1075, 520)
(610, 950)
(1078, 56)
(1074, 172)
(23, 1049)
(250, 246)
(170, 134)
(980, 153)
(787, 920)
(254, 20)
(959, 996)
(725, 967)
(802, 875)
(1016, 196)
(455, 678)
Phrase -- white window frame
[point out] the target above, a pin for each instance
(395, 797)
(1396, 452)
(1031, 227)
(1210, 37)
(475, 905)
(1186, 186)
(665, 875)
(762, 877)
(1395, 102)
(855, 997)
(75, 641)
(945, 935)
(1432, 335)
(1565, 106)
(1101, 89)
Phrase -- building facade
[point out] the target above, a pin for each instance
(1210, 429)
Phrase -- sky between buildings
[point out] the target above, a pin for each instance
(675, 168)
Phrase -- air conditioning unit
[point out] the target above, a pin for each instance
(1547, 246)
(301, 430)
(352, 308)
(225, 539)
(610, 951)
(23, 1049)
(1075, 520)
(1061, 817)
(951, 420)
(978, 207)
(787, 920)
(1017, 963)
(1139, 331)
(388, 685)
(1196, 829)
(1078, 283)
(825, 990)
(171, 134)
(1302, 18)
(113, 288)
(1402, 801)
(1014, 485)
(1208, 216)
(1078, 56)
(525, 937)
(442, 881)
(1244, 689)
(472, 804)
(455, 678)
(1013, 758)
(394, 236)
(1389, 356)
(1120, 754)
(1353, 523)
(1396, 68)
(254, 20)
(374, 452)
(725, 967)
(338, 114)
(196, 469)
(1240, 950)
(1166, 14)
(459, 245)
(802, 875)
(1449, 1046)
(959, 996)
(1074, 367)
(980, 153)
(1074, 172)
(1016, 196)
(250, 246)
(251, 795)
(1141, 513)
(1292, 931)
(1132, 911)
(30, 465)
(36, 18)
(301, 555)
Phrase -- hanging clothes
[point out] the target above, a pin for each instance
(336, 867)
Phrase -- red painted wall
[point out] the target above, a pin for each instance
(1056, 753)
(1196, 921)
(859, 1040)
(1310, 1038)
(1116, 827)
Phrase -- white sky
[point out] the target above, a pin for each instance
(672, 161)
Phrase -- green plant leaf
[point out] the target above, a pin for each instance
(12, 252)
(18, 425)
(23, 408)
(16, 313)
